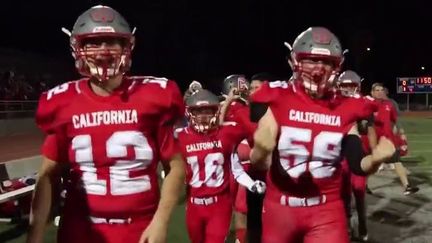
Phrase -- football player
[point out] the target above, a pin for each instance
(208, 149)
(247, 206)
(112, 130)
(349, 84)
(388, 112)
(401, 139)
(235, 90)
(309, 130)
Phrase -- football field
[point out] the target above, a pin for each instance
(392, 217)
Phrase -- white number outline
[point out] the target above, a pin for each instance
(57, 90)
(213, 163)
(303, 159)
(116, 148)
(278, 84)
(161, 81)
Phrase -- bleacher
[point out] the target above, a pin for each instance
(19, 160)
(17, 108)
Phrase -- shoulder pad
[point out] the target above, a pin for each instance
(51, 101)
(268, 92)
(166, 91)
(162, 82)
(61, 91)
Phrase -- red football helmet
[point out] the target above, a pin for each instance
(202, 110)
(349, 83)
(93, 40)
(316, 58)
(238, 82)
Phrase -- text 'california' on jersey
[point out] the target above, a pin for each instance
(112, 143)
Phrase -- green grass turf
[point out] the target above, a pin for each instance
(419, 132)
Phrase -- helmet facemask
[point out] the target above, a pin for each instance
(102, 56)
(316, 57)
(349, 83)
(349, 89)
(203, 118)
(316, 73)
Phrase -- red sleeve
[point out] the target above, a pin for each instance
(167, 144)
(369, 106)
(268, 92)
(45, 114)
(50, 103)
(393, 114)
(54, 148)
(243, 151)
(246, 124)
(384, 116)
(240, 114)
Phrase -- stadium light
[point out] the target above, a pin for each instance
(422, 68)
(368, 49)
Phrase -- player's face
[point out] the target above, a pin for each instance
(379, 92)
(103, 56)
(316, 73)
(349, 89)
(255, 85)
(203, 118)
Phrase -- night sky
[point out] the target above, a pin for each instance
(207, 40)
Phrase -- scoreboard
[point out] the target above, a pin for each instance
(414, 85)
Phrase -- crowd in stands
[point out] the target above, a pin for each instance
(15, 86)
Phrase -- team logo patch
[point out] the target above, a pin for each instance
(321, 36)
(102, 15)
(242, 83)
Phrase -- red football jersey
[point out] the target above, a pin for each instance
(113, 143)
(306, 161)
(208, 158)
(384, 119)
(240, 113)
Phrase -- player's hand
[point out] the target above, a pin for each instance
(383, 151)
(258, 187)
(233, 95)
(155, 233)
